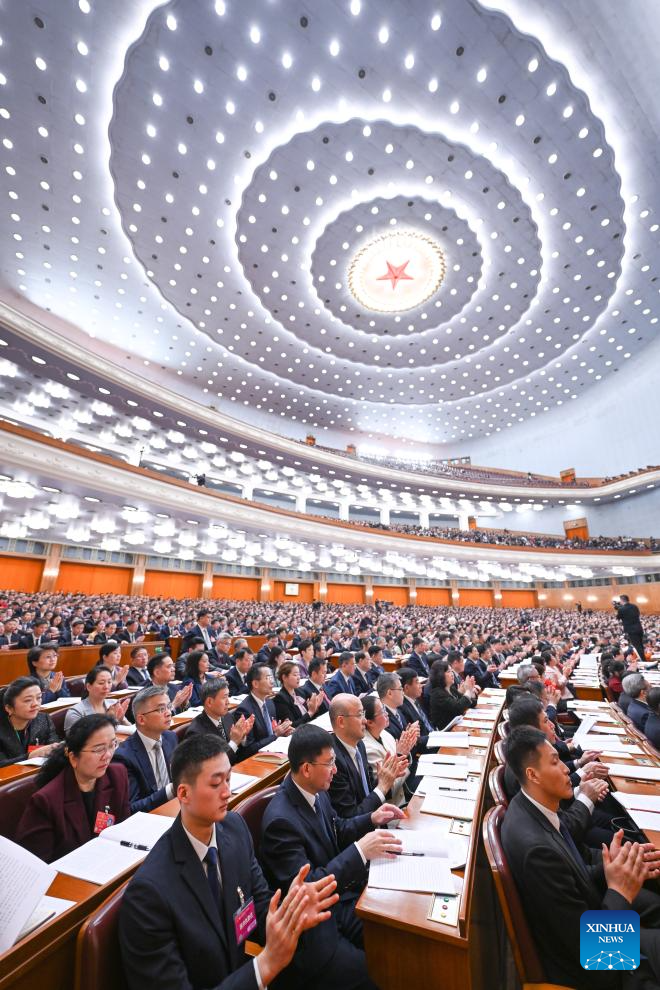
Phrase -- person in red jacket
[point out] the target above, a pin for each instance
(79, 791)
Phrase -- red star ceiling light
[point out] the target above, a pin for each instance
(396, 271)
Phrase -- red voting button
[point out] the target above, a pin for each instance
(103, 820)
(245, 921)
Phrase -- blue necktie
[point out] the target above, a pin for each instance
(213, 879)
(323, 823)
(349, 687)
(394, 717)
(422, 718)
(363, 776)
(572, 848)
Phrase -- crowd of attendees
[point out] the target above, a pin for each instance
(505, 537)
(355, 781)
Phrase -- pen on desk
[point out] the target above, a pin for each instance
(134, 845)
(409, 854)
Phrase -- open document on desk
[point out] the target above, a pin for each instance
(116, 849)
(423, 866)
(24, 879)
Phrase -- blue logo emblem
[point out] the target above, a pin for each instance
(609, 940)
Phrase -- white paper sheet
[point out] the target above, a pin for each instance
(448, 807)
(279, 746)
(427, 768)
(455, 740)
(24, 879)
(32, 761)
(644, 802)
(645, 819)
(438, 785)
(98, 861)
(52, 706)
(239, 781)
(480, 741)
(454, 759)
(141, 828)
(419, 873)
(47, 909)
(634, 770)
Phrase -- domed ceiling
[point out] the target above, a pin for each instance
(385, 219)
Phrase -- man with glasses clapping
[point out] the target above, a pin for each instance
(147, 754)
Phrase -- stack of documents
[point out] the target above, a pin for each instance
(455, 740)
(24, 879)
(634, 770)
(449, 807)
(275, 751)
(644, 809)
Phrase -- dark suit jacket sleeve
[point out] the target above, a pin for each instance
(344, 799)
(444, 707)
(283, 851)
(139, 801)
(559, 908)
(148, 939)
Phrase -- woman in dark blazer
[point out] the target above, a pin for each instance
(42, 661)
(24, 729)
(79, 791)
(445, 704)
(289, 704)
(197, 664)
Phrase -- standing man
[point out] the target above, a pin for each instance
(200, 892)
(629, 617)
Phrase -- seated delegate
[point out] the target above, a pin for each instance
(42, 661)
(179, 914)
(98, 685)
(79, 792)
(24, 729)
(289, 703)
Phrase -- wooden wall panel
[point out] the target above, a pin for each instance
(93, 579)
(518, 599)
(20, 573)
(391, 593)
(166, 584)
(480, 597)
(242, 589)
(433, 596)
(305, 592)
(345, 594)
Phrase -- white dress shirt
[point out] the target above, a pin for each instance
(353, 753)
(200, 851)
(149, 744)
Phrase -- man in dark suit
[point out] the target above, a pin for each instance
(264, 655)
(353, 790)
(300, 826)
(161, 671)
(315, 684)
(629, 617)
(636, 688)
(216, 719)
(340, 682)
(74, 635)
(200, 892)
(478, 665)
(236, 676)
(410, 709)
(417, 660)
(558, 880)
(130, 633)
(265, 728)
(147, 754)
(37, 636)
(362, 678)
(138, 675)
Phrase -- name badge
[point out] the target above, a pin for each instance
(31, 749)
(245, 921)
(103, 820)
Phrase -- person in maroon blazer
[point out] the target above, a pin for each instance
(79, 792)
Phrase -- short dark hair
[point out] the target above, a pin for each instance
(254, 674)
(407, 675)
(454, 655)
(345, 658)
(136, 649)
(307, 742)
(189, 756)
(521, 750)
(653, 700)
(369, 706)
(525, 711)
(304, 645)
(156, 661)
(241, 654)
(202, 613)
(315, 664)
(211, 687)
(105, 649)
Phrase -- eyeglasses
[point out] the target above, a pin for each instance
(102, 750)
(162, 709)
(319, 763)
(355, 715)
